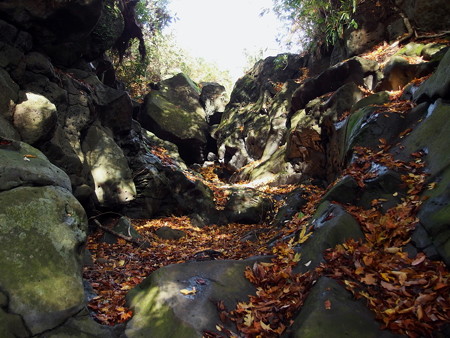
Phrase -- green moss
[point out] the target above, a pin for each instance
(39, 265)
(174, 118)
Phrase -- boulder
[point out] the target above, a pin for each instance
(109, 168)
(23, 165)
(35, 118)
(253, 125)
(82, 325)
(438, 85)
(42, 230)
(332, 226)
(166, 232)
(174, 113)
(213, 99)
(357, 70)
(162, 187)
(345, 316)
(425, 17)
(247, 206)
(161, 309)
(9, 93)
(7, 130)
(123, 227)
(431, 136)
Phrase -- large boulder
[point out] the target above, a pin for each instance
(438, 85)
(343, 316)
(109, 168)
(35, 118)
(174, 113)
(253, 124)
(60, 28)
(213, 99)
(42, 230)
(179, 300)
(23, 165)
(432, 136)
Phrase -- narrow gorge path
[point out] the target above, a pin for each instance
(118, 267)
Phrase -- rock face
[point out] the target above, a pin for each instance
(174, 113)
(69, 144)
(42, 228)
(163, 311)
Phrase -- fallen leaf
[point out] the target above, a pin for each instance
(327, 304)
(188, 292)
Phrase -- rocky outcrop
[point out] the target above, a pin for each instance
(43, 228)
(173, 112)
(179, 300)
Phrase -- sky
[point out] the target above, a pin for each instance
(221, 31)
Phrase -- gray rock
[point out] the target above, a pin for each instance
(247, 206)
(35, 118)
(169, 233)
(332, 226)
(41, 231)
(7, 130)
(346, 316)
(123, 227)
(438, 85)
(161, 310)
(174, 113)
(109, 168)
(23, 165)
(9, 93)
(82, 325)
(213, 99)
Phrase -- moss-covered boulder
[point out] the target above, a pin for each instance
(332, 226)
(23, 165)
(109, 168)
(179, 300)
(42, 230)
(330, 310)
(438, 85)
(432, 136)
(174, 113)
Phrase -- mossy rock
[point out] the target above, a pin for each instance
(162, 310)
(345, 317)
(23, 165)
(42, 231)
(332, 226)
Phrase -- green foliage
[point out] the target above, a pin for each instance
(316, 22)
(164, 59)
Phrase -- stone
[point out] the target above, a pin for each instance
(109, 168)
(7, 130)
(42, 230)
(293, 202)
(352, 70)
(9, 94)
(346, 316)
(166, 232)
(438, 85)
(247, 206)
(174, 113)
(213, 98)
(123, 227)
(161, 310)
(23, 165)
(332, 226)
(35, 118)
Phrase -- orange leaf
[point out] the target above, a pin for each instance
(327, 304)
